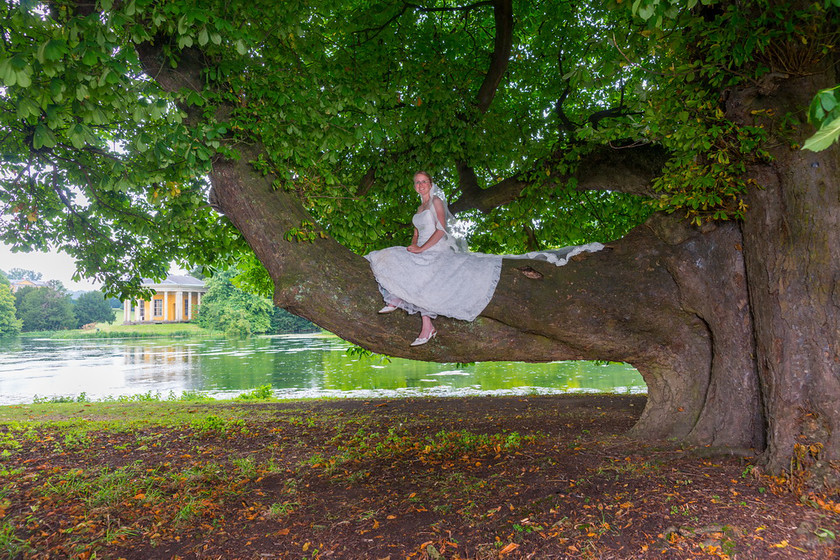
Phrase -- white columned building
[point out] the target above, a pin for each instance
(175, 300)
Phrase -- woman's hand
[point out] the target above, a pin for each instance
(431, 242)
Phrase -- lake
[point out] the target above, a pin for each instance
(296, 366)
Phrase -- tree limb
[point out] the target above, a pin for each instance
(503, 43)
(503, 16)
(627, 170)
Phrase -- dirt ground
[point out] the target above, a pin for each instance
(542, 477)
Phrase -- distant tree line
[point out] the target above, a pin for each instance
(49, 307)
(225, 308)
(16, 274)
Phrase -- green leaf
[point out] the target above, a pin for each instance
(57, 89)
(43, 138)
(54, 49)
(7, 74)
(24, 79)
(824, 137)
(77, 136)
(195, 98)
(90, 57)
(828, 101)
(27, 107)
(646, 11)
(97, 116)
(82, 92)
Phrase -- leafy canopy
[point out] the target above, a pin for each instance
(10, 325)
(92, 307)
(23, 274)
(45, 309)
(231, 310)
(101, 161)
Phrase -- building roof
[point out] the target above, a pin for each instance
(175, 280)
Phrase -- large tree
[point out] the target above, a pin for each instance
(229, 309)
(23, 274)
(45, 308)
(9, 323)
(670, 131)
(92, 307)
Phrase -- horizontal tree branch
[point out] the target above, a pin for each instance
(627, 170)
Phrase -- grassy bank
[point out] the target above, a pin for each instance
(474, 478)
(146, 330)
(162, 330)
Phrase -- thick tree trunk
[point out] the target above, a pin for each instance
(792, 254)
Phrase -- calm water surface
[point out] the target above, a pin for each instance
(295, 366)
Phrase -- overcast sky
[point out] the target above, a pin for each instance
(53, 266)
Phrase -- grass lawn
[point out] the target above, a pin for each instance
(104, 330)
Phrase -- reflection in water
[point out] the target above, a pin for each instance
(295, 366)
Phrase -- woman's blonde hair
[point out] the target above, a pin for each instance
(426, 173)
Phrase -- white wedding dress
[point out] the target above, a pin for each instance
(443, 280)
(438, 281)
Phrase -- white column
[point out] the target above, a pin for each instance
(126, 310)
(179, 305)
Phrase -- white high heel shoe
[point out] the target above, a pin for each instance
(388, 309)
(419, 341)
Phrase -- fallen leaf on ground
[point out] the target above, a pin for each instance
(509, 548)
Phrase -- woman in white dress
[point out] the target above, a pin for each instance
(435, 275)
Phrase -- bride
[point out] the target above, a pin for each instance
(436, 275)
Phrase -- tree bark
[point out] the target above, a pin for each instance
(792, 255)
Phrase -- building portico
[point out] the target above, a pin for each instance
(175, 301)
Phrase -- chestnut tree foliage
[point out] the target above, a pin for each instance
(284, 135)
